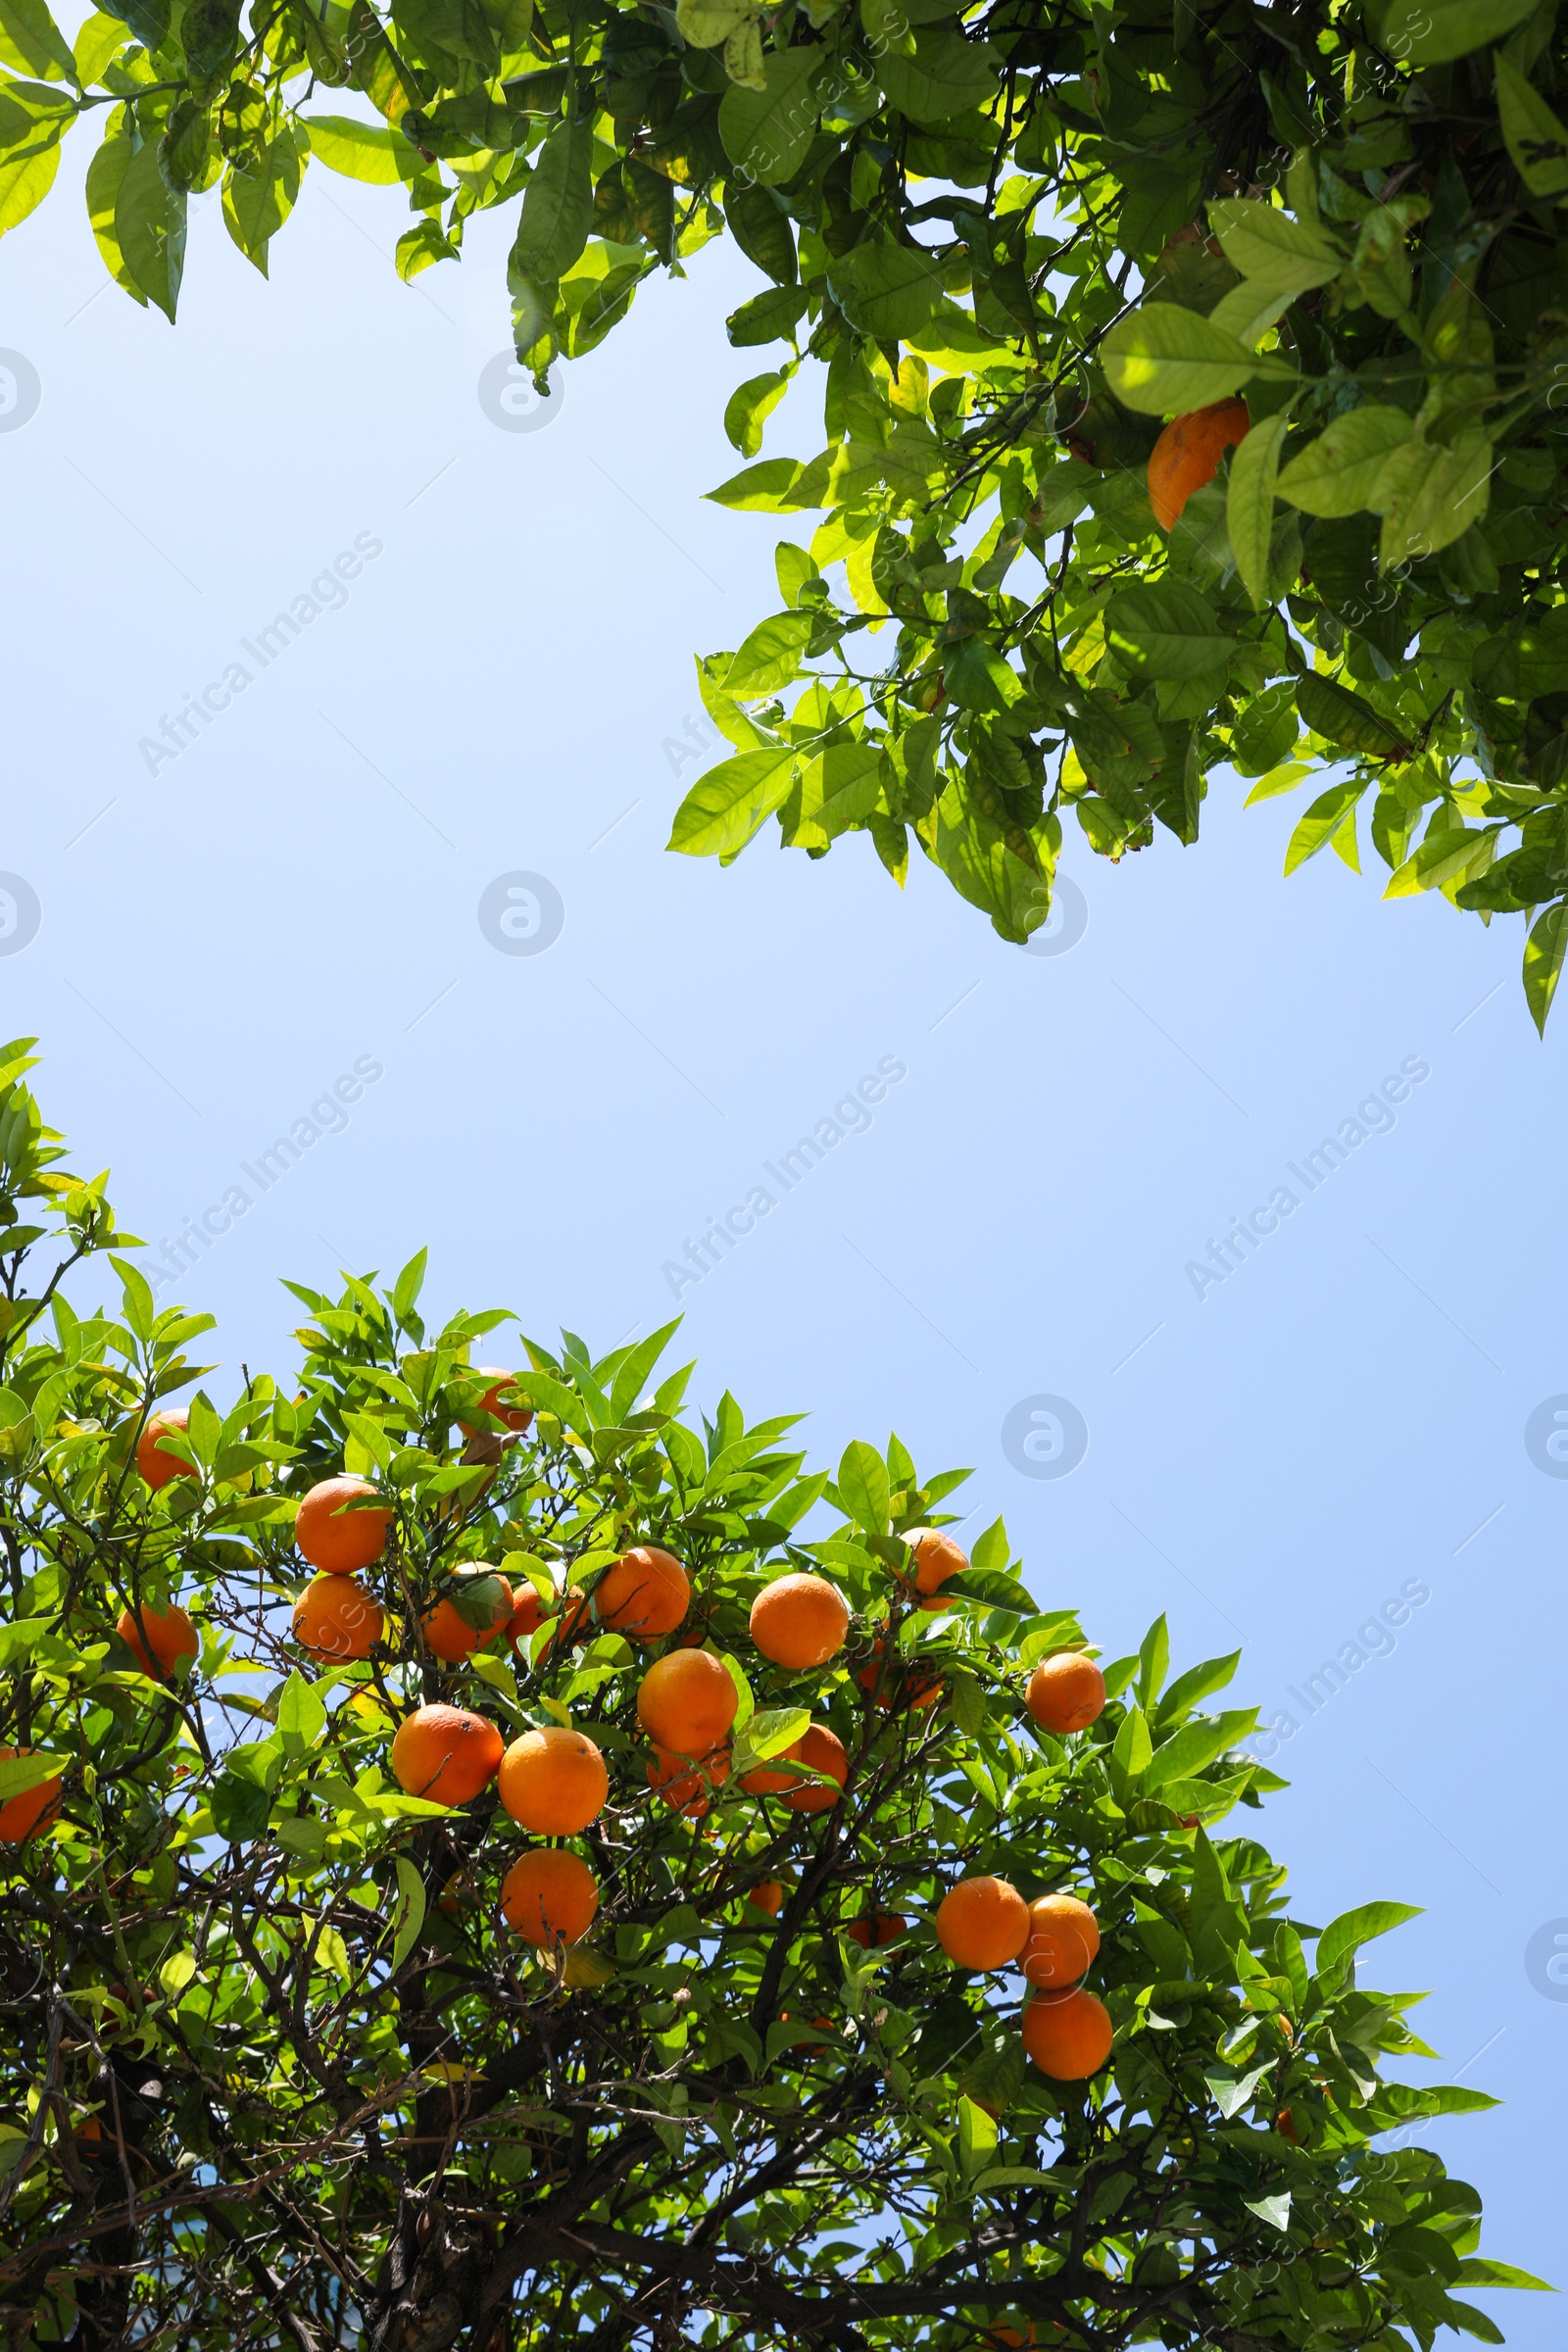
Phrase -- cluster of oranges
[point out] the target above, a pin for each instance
(553, 1781)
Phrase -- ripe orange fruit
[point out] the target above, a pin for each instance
(800, 1621)
(479, 1592)
(550, 1896)
(336, 1618)
(823, 1750)
(335, 1538)
(645, 1593)
(686, 1701)
(156, 1466)
(683, 1784)
(982, 1923)
(936, 1558)
(524, 1618)
(1065, 1693)
(446, 1754)
(768, 1895)
(34, 1809)
(554, 1780)
(887, 1927)
(512, 1416)
(1063, 1938)
(1188, 452)
(902, 1682)
(1067, 2034)
(170, 1636)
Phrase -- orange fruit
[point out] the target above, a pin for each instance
(1285, 2124)
(683, 1784)
(686, 1701)
(336, 1618)
(800, 1621)
(824, 1751)
(982, 1923)
(446, 1754)
(479, 1592)
(1065, 1693)
(1063, 1938)
(767, 1895)
(524, 1618)
(936, 1558)
(1188, 452)
(156, 1466)
(335, 1538)
(1067, 2034)
(512, 1416)
(554, 1780)
(885, 1928)
(550, 1896)
(34, 1809)
(902, 1682)
(645, 1593)
(170, 1636)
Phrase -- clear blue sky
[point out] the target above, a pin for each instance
(299, 891)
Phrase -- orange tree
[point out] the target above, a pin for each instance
(296, 2053)
(1017, 237)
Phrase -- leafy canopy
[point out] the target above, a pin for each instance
(1019, 236)
(273, 2072)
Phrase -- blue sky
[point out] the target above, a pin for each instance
(505, 688)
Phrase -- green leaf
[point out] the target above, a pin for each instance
(1453, 854)
(177, 1973)
(149, 230)
(752, 404)
(1277, 254)
(409, 1917)
(1433, 32)
(1187, 1752)
(1535, 139)
(766, 133)
(1544, 954)
(1479, 2270)
(771, 1730)
(361, 150)
(725, 808)
(32, 43)
(889, 291)
(1353, 1929)
(767, 317)
(947, 74)
(104, 174)
(745, 1703)
(18, 1773)
(301, 1716)
(1162, 361)
(708, 23)
(1250, 502)
(26, 182)
(764, 489)
(258, 202)
(862, 1486)
(769, 658)
(1431, 496)
(1197, 1683)
(1338, 472)
(837, 789)
(1276, 2211)
(977, 2136)
(1323, 820)
(1133, 1747)
(1153, 1663)
(1166, 631)
(557, 204)
(1341, 716)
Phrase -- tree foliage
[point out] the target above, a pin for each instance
(272, 2072)
(1018, 236)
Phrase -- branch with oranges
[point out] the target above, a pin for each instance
(489, 1856)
